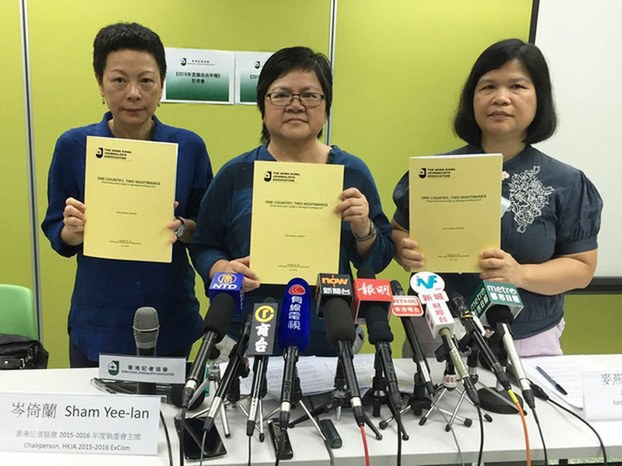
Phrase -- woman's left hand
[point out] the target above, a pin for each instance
(174, 225)
(499, 266)
(354, 209)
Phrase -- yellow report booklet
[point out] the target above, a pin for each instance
(455, 209)
(295, 231)
(129, 198)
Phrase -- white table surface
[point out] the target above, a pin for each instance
(428, 444)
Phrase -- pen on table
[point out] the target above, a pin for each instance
(552, 381)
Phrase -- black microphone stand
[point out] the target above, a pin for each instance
(417, 401)
(377, 395)
(467, 346)
(449, 384)
(296, 398)
(496, 399)
(339, 398)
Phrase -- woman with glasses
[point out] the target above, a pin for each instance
(294, 95)
(548, 233)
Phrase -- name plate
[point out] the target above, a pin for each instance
(100, 424)
(142, 369)
(602, 395)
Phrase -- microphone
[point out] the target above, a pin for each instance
(374, 308)
(441, 322)
(407, 307)
(489, 294)
(340, 332)
(228, 283)
(215, 326)
(501, 317)
(330, 285)
(370, 291)
(146, 330)
(458, 308)
(294, 334)
(233, 371)
(261, 346)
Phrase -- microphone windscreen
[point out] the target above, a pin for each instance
(366, 272)
(146, 327)
(377, 325)
(396, 288)
(499, 314)
(338, 320)
(219, 315)
(457, 304)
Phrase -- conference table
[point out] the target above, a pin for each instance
(429, 443)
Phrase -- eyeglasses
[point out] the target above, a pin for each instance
(308, 99)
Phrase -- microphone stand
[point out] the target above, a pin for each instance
(378, 395)
(258, 392)
(228, 387)
(449, 383)
(212, 382)
(338, 398)
(417, 401)
(472, 351)
(496, 399)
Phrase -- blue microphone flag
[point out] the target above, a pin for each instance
(295, 321)
(228, 283)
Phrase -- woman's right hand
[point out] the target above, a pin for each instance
(74, 219)
(241, 265)
(405, 249)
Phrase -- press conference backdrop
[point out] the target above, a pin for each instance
(581, 41)
(398, 73)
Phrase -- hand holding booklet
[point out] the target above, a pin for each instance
(295, 231)
(455, 206)
(129, 197)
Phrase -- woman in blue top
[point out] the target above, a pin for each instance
(294, 94)
(548, 233)
(130, 67)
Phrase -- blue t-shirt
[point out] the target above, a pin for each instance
(107, 292)
(554, 211)
(224, 229)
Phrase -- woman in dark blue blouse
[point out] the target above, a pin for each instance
(548, 233)
(294, 95)
(130, 67)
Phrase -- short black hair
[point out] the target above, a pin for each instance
(494, 57)
(121, 36)
(290, 59)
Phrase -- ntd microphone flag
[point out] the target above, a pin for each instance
(491, 293)
(228, 283)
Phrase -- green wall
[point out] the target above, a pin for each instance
(15, 247)
(398, 71)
